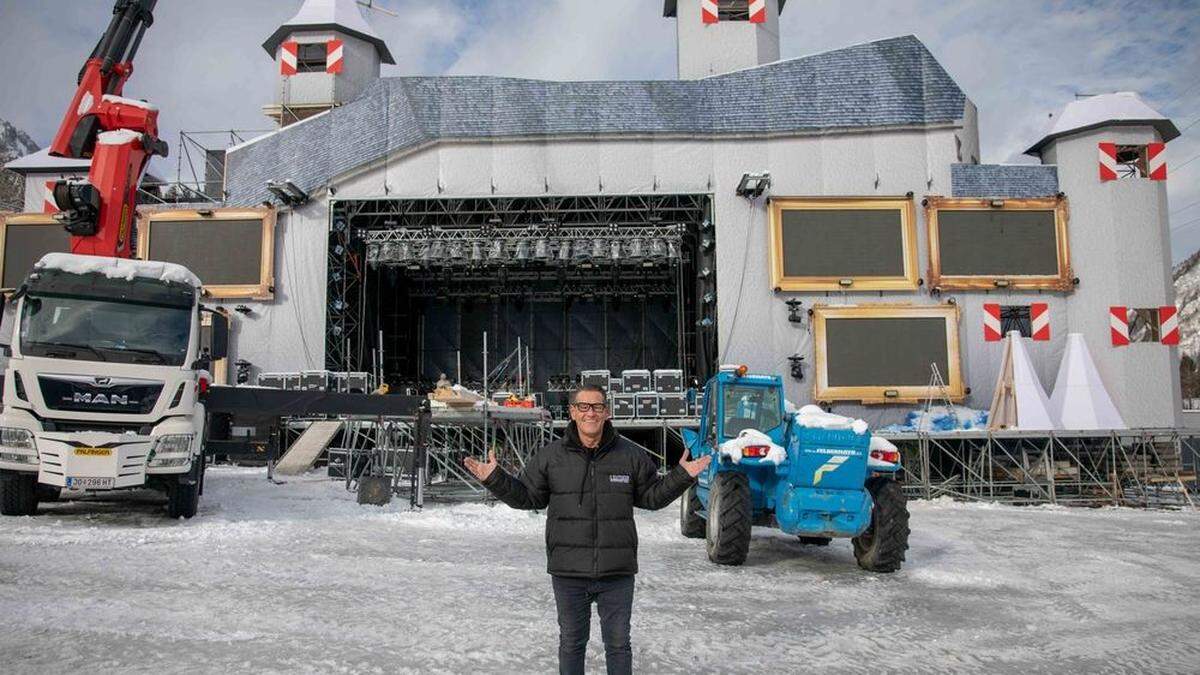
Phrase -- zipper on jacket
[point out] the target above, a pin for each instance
(595, 523)
(583, 482)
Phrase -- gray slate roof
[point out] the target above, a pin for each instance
(1012, 181)
(889, 83)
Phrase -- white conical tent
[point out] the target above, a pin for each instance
(1080, 400)
(1020, 401)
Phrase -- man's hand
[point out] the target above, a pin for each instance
(481, 470)
(693, 467)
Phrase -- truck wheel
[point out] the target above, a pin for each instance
(182, 498)
(815, 541)
(48, 493)
(729, 519)
(18, 494)
(691, 525)
(881, 548)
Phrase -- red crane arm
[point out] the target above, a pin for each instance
(119, 135)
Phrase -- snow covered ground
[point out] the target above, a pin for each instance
(299, 578)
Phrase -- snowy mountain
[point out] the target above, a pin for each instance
(1187, 296)
(14, 143)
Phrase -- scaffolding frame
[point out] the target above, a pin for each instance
(199, 168)
(388, 447)
(1139, 468)
(1121, 467)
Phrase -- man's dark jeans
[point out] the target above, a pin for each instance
(614, 602)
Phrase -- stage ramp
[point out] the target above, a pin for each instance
(301, 455)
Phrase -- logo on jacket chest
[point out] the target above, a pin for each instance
(618, 478)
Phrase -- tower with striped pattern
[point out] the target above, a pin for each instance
(1113, 162)
(325, 55)
(720, 36)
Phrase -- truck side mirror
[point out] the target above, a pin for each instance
(219, 344)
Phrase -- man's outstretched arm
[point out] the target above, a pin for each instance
(530, 491)
(654, 491)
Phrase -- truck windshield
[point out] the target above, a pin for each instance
(96, 329)
(750, 407)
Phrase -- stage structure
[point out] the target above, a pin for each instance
(1124, 467)
(610, 282)
(388, 448)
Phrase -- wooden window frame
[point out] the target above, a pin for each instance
(1063, 281)
(7, 219)
(264, 289)
(909, 281)
(876, 394)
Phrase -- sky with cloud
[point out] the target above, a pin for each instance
(1019, 60)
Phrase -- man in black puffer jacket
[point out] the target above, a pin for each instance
(589, 481)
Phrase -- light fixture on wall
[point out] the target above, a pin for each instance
(797, 369)
(753, 185)
(287, 192)
(795, 310)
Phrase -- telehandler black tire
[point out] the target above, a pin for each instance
(691, 525)
(729, 519)
(815, 541)
(18, 493)
(881, 547)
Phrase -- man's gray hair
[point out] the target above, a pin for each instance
(588, 387)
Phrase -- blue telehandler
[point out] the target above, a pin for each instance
(814, 475)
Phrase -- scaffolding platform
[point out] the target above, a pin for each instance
(387, 447)
(1153, 468)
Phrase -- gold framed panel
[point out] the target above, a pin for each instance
(264, 289)
(1063, 281)
(6, 219)
(908, 224)
(885, 393)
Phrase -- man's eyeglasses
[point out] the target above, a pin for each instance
(594, 407)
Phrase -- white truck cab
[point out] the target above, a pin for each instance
(103, 384)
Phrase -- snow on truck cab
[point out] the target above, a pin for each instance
(104, 382)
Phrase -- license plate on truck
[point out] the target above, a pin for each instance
(90, 483)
